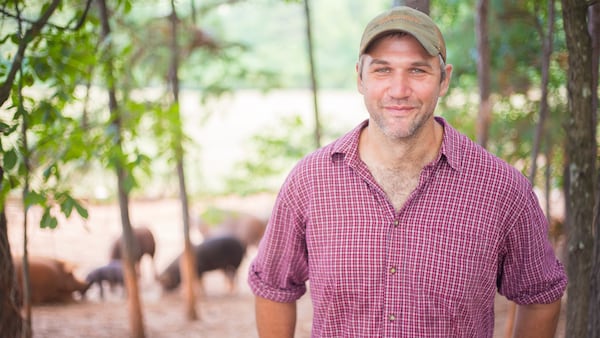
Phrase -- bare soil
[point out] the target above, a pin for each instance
(86, 243)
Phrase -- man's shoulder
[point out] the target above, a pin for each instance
(481, 163)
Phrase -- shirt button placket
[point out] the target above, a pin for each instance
(392, 270)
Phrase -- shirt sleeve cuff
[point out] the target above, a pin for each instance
(263, 289)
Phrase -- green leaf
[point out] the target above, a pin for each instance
(48, 221)
(67, 206)
(4, 128)
(81, 210)
(10, 159)
(34, 198)
(129, 183)
(49, 171)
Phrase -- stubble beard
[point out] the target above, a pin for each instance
(405, 131)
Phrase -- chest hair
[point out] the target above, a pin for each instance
(397, 183)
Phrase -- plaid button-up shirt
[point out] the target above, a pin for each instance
(472, 227)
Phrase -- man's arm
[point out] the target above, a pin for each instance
(537, 320)
(274, 319)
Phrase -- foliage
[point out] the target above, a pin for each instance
(225, 49)
(56, 127)
(272, 155)
(66, 114)
(39, 137)
(515, 71)
(516, 76)
(212, 216)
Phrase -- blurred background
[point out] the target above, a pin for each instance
(245, 100)
(209, 104)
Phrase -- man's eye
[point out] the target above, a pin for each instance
(381, 70)
(417, 70)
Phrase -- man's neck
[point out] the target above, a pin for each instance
(406, 154)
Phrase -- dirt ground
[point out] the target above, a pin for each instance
(86, 243)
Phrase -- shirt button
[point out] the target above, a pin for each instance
(396, 223)
(393, 270)
(391, 318)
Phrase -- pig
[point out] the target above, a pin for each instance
(249, 229)
(52, 280)
(112, 273)
(224, 253)
(144, 244)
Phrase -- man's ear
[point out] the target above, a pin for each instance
(446, 83)
(359, 81)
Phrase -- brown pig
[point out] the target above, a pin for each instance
(143, 244)
(52, 280)
(249, 229)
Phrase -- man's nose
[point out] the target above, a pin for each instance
(399, 86)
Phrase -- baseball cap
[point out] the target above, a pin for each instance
(409, 20)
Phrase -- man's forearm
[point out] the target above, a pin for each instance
(537, 320)
(274, 319)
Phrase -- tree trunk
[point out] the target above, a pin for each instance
(26, 280)
(136, 321)
(130, 274)
(549, 154)
(24, 150)
(187, 263)
(313, 76)
(581, 147)
(547, 39)
(594, 29)
(484, 116)
(10, 318)
(594, 310)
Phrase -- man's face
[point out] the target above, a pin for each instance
(401, 84)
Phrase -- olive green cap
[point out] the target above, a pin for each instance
(409, 20)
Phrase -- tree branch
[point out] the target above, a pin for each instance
(29, 21)
(31, 33)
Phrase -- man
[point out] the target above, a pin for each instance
(404, 227)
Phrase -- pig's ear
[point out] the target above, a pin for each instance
(69, 266)
(62, 265)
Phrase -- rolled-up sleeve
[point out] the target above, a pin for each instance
(531, 273)
(280, 270)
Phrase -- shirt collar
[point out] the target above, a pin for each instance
(451, 144)
(347, 145)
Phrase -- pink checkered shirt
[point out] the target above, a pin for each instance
(472, 227)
